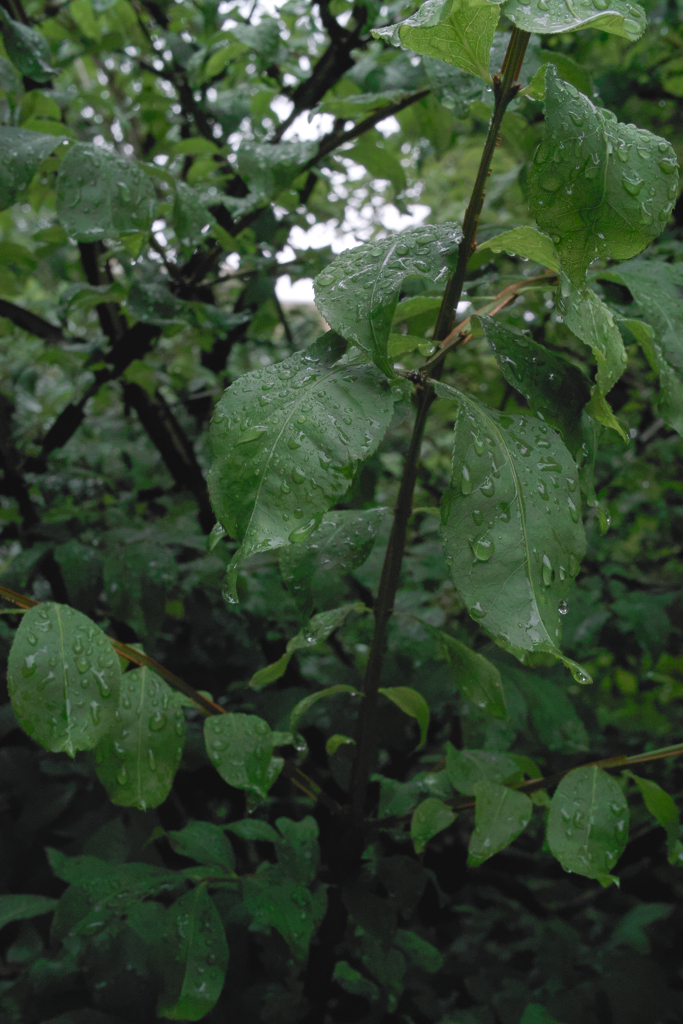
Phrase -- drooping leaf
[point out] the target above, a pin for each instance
(459, 32)
(22, 153)
(21, 907)
(63, 679)
(280, 460)
(206, 843)
(343, 541)
(588, 823)
(28, 49)
(591, 184)
(555, 389)
(476, 677)
(241, 748)
(619, 17)
(357, 294)
(527, 242)
(555, 720)
(101, 195)
(138, 757)
(411, 703)
(466, 768)
(429, 818)
(500, 815)
(513, 493)
(587, 316)
(662, 807)
(197, 958)
(300, 709)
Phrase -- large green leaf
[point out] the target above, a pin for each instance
(459, 32)
(241, 748)
(286, 441)
(196, 958)
(619, 17)
(588, 823)
(527, 242)
(139, 756)
(475, 676)
(597, 187)
(357, 294)
(101, 195)
(467, 768)
(21, 152)
(500, 815)
(63, 679)
(429, 818)
(511, 525)
(28, 50)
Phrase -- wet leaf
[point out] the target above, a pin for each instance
(598, 187)
(269, 169)
(241, 749)
(476, 677)
(429, 818)
(527, 242)
(140, 754)
(588, 823)
(253, 830)
(191, 218)
(500, 815)
(283, 455)
(276, 901)
(28, 49)
(206, 843)
(20, 907)
(63, 679)
(300, 709)
(662, 807)
(22, 153)
(619, 17)
(466, 768)
(412, 704)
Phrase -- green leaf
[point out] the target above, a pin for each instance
(343, 541)
(279, 902)
(476, 677)
(194, 976)
(466, 768)
(663, 809)
(269, 169)
(587, 316)
(357, 294)
(459, 32)
(553, 714)
(411, 703)
(28, 50)
(241, 748)
(101, 195)
(253, 830)
(19, 907)
(371, 152)
(22, 153)
(567, 68)
(361, 105)
(139, 756)
(555, 389)
(599, 188)
(513, 495)
(300, 709)
(191, 219)
(336, 741)
(500, 815)
(588, 823)
(63, 679)
(298, 852)
(527, 242)
(537, 1014)
(619, 17)
(422, 953)
(429, 818)
(279, 459)
(206, 843)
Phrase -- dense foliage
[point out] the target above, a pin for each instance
(343, 644)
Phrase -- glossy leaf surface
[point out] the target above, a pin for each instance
(663, 809)
(63, 679)
(476, 677)
(466, 768)
(429, 818)
(22, 153)
(276, 901)
(241, 748)
(283, 454)
(618, 17)
(500, 815)
(27, 48)
(527, 242)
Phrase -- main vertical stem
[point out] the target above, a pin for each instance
(504, 90)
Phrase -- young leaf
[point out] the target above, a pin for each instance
(206, 843)
(28, 50)
(429, 818)
(466, 768)
(459, 32)
(139, 756)
(500, 815)
(300, 709)
(101, 195)
(588, 823)
(22, 153)
(19, 907)
(598, 187)
(555, 389)
(63, 679)
(527, 242)
(357, 294)
(411, 703)
(280, 460)
(194, 976)
(619, 17)
(513, 493)
(343, 541)
(662, 807)
(241, 748)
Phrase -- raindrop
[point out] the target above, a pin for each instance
(562, 608)
(482, 548)
(465, 482)
(488, 488)
(547, 571)
(477, 612)
(122, 777)
(157, 721)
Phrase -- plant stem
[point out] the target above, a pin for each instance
(505, 89)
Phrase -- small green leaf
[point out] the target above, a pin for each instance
(269, 169)
(335, 742)
(28, 50)
(22, 153)
(663, 808)
(422, 953)
(279, 459)
(241, 748)
(357, 294)
(253, 830)
(139, 756)
(527, 242)
(277, 901)
(194, 976)
(362, 104)
(19, 907)
(476, 677)
(466, 768)
(612, 189)
(537, 1014)
(206, 843)
(429, 818)
(568, 70)
(101, 195)
(411, 703)
(500, 815)
(588, 823)
(459, 32)
(547, 17)
(63, 679)
(300, 709)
